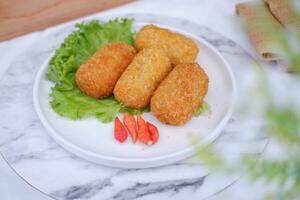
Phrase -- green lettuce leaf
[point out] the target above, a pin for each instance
(203, 108)
(66, 99)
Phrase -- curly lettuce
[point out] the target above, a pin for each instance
(203, 108)
(66, 98)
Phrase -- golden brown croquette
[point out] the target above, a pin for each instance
(98, 75)
(138, 82)
(180, 94)
(179, 48)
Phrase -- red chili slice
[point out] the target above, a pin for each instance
(120, 132)
(154, 134)
(143, 132)
(129, 123)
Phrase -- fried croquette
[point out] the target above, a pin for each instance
(98, 76)
(138, 82)
(179, 48)
(180, 94)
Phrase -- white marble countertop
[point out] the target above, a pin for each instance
(214, 14)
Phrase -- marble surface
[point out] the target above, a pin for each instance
(40, 161)
(57, 173)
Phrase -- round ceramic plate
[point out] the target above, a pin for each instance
(94, 141)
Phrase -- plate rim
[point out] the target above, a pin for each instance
(136, 162)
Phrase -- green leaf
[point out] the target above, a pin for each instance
(203, 108)
(283, 124)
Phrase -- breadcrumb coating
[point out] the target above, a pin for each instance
(180, 94)
(179, 48)
(138, 82)
(98, 75)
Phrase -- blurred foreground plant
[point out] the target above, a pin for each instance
(281, 124)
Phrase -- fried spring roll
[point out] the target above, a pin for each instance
(180, 94)
(138, 82)
(179, 48)
(98, 76)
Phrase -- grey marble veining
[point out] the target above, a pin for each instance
(58, 173)
(134, 191)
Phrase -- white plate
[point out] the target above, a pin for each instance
(92, 140)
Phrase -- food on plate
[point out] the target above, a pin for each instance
(153, 132)
(65, 97)
(143, 131)
(180, 94)
(98, 76)
(179, 48)
(120, 132)
(130, 124)
(96, 72)
(138, 82)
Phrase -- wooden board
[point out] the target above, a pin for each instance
(18, 17)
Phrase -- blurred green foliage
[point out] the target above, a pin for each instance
(281, 124)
